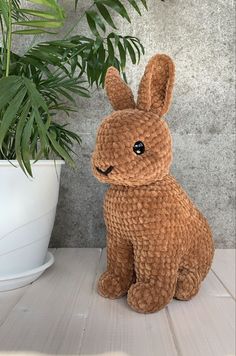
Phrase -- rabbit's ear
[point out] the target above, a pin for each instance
(156, 86)
(119, 94)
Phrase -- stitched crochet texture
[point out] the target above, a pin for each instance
(159, 246)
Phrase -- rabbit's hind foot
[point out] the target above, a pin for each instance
(188, 284)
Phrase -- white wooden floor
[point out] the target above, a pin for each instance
(61, 313)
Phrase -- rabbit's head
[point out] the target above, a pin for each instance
(133, 145)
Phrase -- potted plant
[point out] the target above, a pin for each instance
(34, 88)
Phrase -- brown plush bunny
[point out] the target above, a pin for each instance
(159, 246)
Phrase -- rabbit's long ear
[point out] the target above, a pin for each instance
(155, 89)
(118, 92)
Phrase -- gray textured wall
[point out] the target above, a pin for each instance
(199, 37)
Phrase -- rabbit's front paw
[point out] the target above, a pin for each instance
(112, 286)
(147, 298)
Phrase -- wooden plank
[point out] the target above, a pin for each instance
(9, 299)
(205, 325)
(51, 315)
(224, 268)
(112, 327)
(211, 287)
(62, 313)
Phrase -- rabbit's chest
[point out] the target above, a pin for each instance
(121, 207)
(128, 210)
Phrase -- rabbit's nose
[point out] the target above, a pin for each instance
(106, 172)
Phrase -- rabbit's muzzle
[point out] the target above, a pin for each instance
(106, 172)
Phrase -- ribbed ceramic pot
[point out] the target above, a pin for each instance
(27, 214)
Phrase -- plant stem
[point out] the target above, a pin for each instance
(3, 49)
(9, 38)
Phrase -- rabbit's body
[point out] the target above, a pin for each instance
(167, 242)
(159, 246)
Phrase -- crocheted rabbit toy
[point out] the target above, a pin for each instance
(159, 245)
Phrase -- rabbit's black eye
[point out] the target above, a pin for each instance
(139, 147)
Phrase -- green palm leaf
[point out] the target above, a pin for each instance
(35, 86)
(27, 114)
(50, 17)
(98, 17)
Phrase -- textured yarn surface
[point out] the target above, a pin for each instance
(159, 245)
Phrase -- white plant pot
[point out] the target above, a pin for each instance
(27, 214)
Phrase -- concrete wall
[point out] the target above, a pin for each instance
(199, 36)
